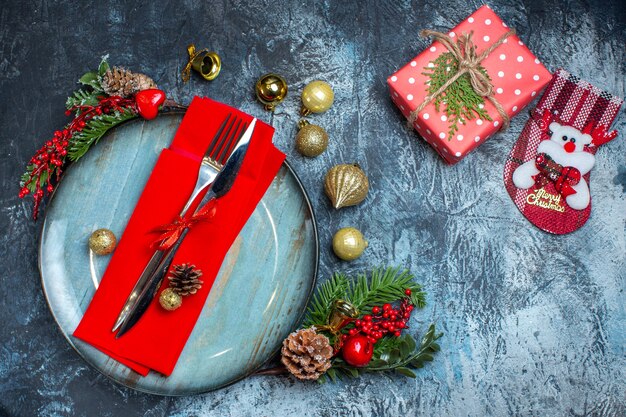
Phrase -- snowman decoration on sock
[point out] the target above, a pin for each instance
(563, 159)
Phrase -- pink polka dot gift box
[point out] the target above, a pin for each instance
(467, 84)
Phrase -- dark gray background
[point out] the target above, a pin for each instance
(534, 323)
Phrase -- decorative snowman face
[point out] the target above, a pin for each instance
(570, 138)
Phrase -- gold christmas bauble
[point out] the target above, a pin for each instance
(346, 185)
(349, 243)
(311, 140)
(317, 97)
(170, 299)
(271, 89)
(102, 242)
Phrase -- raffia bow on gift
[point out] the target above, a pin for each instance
(564, 178)
(464, 51)
(170, 233)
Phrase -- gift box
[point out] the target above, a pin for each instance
(515, 74)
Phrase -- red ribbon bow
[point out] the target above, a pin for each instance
(170, 233)
(562, 177)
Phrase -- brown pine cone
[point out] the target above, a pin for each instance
(142, 82)
(118, 81)
(306, 354)
(185, 279)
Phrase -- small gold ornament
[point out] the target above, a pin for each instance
(311, 140)
(271, 90)
(349, 243)
(317, 97)
(102, 242)
(208, 64)
(346, 185)
(170, 299)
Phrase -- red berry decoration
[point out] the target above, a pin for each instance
(357, 350)
(407, 291)
(148, 102)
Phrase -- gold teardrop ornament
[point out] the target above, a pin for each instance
(271, 90)
(317, 97)
(346, 185)
(349, 243)
(311, 140)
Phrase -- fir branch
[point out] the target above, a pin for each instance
(321, 304)
(460, 100)
(94, 129)
(384, 286)
(81, 98)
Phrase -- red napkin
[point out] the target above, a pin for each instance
(158, 338)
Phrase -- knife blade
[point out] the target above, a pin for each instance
(220, 187)
(158, 255)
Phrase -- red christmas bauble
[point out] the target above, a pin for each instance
(148, 102)
(357, 350)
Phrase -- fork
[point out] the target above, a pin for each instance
(214, 158)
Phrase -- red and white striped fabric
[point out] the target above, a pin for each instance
(571, 102)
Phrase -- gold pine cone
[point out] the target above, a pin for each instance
(346, 185)
(306, 354)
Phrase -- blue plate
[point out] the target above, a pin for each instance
(257, 299)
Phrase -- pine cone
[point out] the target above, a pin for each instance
(306, 354)
(118, 81)
(142, 82)
(185, 279)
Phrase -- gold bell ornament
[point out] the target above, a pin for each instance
(208, 64)
(271, 90)
(102, 242)
(346, 185)
(342, 313)
(311, 139)
(349, 243)
(317, 97)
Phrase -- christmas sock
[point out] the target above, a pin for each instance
(547, 172)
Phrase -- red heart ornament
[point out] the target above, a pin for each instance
(148, 102)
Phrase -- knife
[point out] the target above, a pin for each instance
(158, 255)
(220, 186)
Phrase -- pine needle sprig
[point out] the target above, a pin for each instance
(321, 304)
(94, 129)
(384, 286)
(461, 103)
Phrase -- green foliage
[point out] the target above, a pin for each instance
(94, 130)
(82, 97)
(461, 102)
(88, 96)
(321, 304)
(391, 354)
(383, 285)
